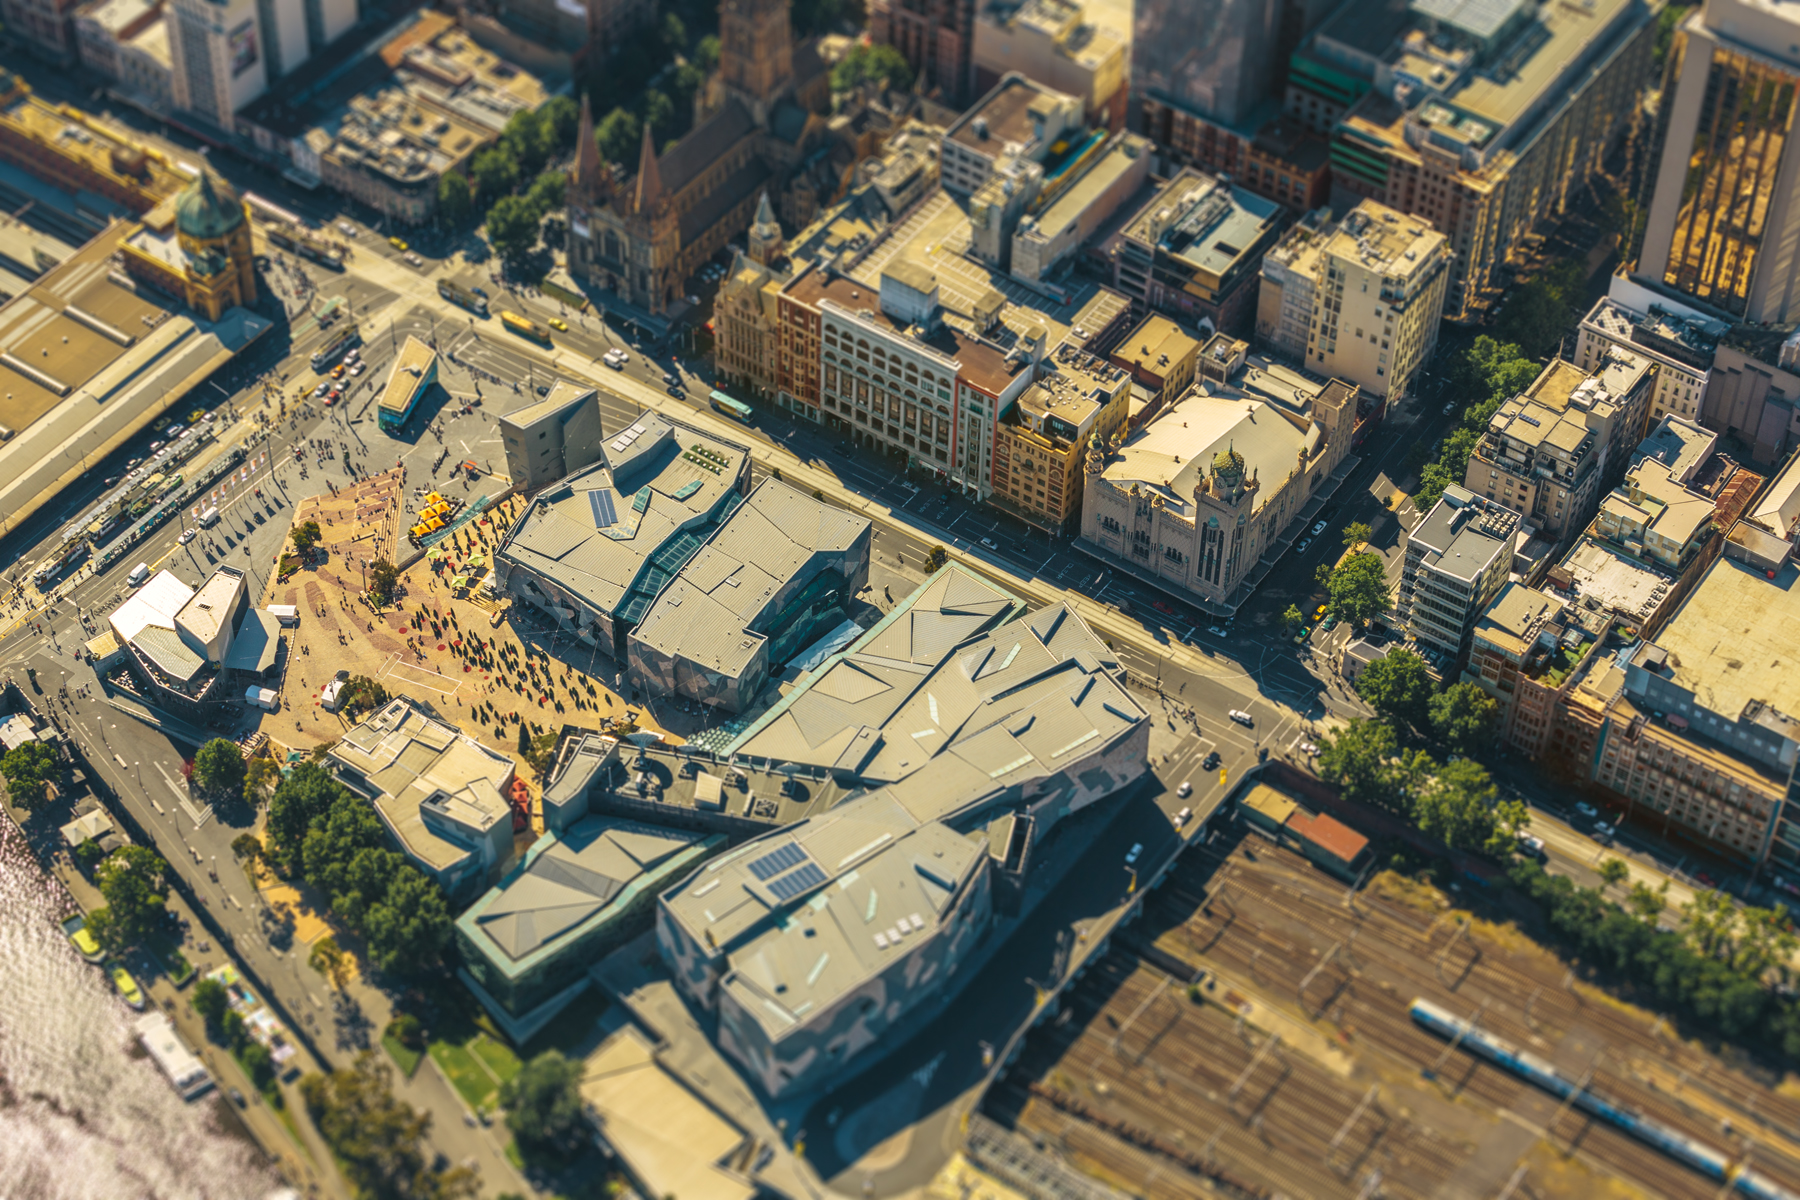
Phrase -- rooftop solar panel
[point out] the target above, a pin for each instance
(777, 861)
(797, 881)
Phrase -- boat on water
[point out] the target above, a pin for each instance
(128, 988)
(85, 943)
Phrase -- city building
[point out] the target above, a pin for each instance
(415, 371)
(593, 551)
(1457, 560)
(1550, 452)
(1182, 500)
(44, 27)
(1689, 731)
(746, 344)
(1485, 119)
(640, 237)
(197, 247)
(1019, 120)
(1160, 357)
(1777, 510)
(146, 68)
(814, 943)
(77, 154)
(1063, 218)
(770, 581)
(576, 896)
(1723, 186)
(102, 25)
(226, 53)
(1679, 341)
(1053, 42)
(1754, 395)
(193, 650)
(440, 794)
(1359, 299)
(384, 123)
(1195, 252)
(937, 39)
(1524, 652)
(1041, 439)
(552, 437)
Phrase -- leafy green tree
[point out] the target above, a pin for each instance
(1613, 871)
(1398, 687)
(659, 114)
(673, 33)
(1459, 807)
(259, 1064)
(212, 1002)
(332, 846)
(261, 774)
(618, 135)
(1707, 921)
(1462, 716)
(132, 881)
(559, 119)
(1357, 590)
(496, 172)
(935, 558)
(306, 535)
(543, 1103)
(379, 1139)
(530, 139)
(1648, 902)
(330, 961)
(547, 191)
(1358, 759)
(1292, 619)
(29, 767)
(219, 768)
(878, 64)
(512, 227)
(455, 205)
(706, 52)
(409, 929)
(1357, 533)
(1539, 314)
(384, 577)
(303, 797)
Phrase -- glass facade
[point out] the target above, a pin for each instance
(1208, 57)
(1745, 119)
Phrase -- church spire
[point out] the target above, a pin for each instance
(764, 241)
(588, 169)
(649, 177)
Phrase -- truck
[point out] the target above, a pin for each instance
(456, 293)
(525, 327)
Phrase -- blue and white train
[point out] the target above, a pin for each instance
(1714, 1165)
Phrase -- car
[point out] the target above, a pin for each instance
(1210, 761)
(671, 377)
(1603, 833)
(355, 370)
(109, 481)
(324, 386)
(1301, 548)
(1532, 846)
(347, 229)
(1320, 611)
(1302, 636)
(674, 389)
(1216, 631)
(237, 1097)
(337, 372)
(414, 259)
(188, 535)
(173, 431)
(1318, 529)
(1181, 818)
(1705, 880)
(1449, 408)
(1584, 809)
(1164, 607)
(1330, 624)
(352, 354)
(157, 445)
(1310, 749)
(1242, 717)
(132, 463)
(398, 244)
(559, 323)
(1131, 855)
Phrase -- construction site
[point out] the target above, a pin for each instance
(1251, 1037)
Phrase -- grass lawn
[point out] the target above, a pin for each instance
(404, 1057)
(472, 1056)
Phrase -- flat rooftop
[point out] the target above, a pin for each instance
(408, 376)
(1116, 163)
(1731, 641)
(1205, 222)
(1613, 581)
(1005, 113)
(1155, 346)
(1678, 444)
(1385, 240)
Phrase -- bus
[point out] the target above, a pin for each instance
(456, 293)
(334, 347)
(525, 327)
(737, 410)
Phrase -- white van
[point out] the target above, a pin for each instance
(209, 518)
(287, 614)
(261, 697)
(138, 575)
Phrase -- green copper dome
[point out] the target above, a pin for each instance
(1227, 462)
(208, 210)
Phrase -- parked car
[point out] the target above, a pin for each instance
(324, 386)
(1449, 408)
(1131, 855)
(1301, 547)
(1216, 631)
(1532, 846)
(1242, 717)
(1318, 529)
(1163, 606)
(398, 244)
(1584, 809)
(188, 535)
(990, 543)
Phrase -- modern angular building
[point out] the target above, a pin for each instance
(191, 646)
(593, 551)
(577, 895)
(553, 436)
(774, 577)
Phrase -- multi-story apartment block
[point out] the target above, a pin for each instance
(1524, 652)
(1725, 191)
(937, 39)
(45, 27)
(1457, 560)
(1184, 499)
(100, 25)
(1018, 120)
(1053, 41)
(1678, 341)
(1367, 297)
(1041, 440)
(1194, 252)
(1482, 118)
(1161, 357)
(226, 53)
(1753, 394)
(1550, 452)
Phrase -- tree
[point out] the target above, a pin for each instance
(1462, 717)
(246, 848)
(29, 767)
(673, 33)
(547, 192)
(383, 578)
(1458, 808)
(219, 768)
(362, 694)
(259, 1064)
(1356, 534)
(512, 227)
(1292, 619)
(706, 53)
(261, 774)
(881, 65)
(659, 113)
(455, 204)
(1647, 902)
(410, 928)
(304, 797)
(212, 1002)
(1357, 759)
(379, 1139)
(935, 558)
(306, 535)
(559, 119)
(132, 880)
(1613, 871)
(1538, 314)
(1357, 591)
(526, 139)
(543, 1102)
(496, 172)
(330, 962)
(1398, 687)
(618, 134)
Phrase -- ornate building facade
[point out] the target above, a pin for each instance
(196, 245)
(640, 236)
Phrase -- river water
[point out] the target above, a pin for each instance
(84, 1113)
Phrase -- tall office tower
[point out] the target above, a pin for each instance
(1211, 58)
(216, 59)
(1725, 187)
(937, 39)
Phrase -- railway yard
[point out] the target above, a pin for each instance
(1293, 1067)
